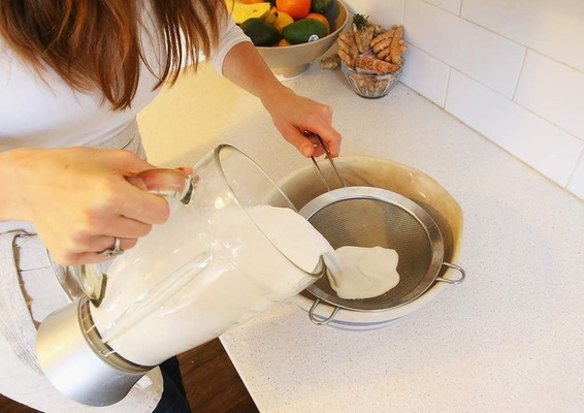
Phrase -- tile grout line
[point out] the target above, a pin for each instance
(573, 173)
(561, 128)
(519, 77)
(508, 152)
(447, 89)
(492, 31)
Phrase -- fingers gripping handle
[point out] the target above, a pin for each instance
(175, 184)
(170, 183)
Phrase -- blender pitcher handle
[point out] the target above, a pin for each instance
(170, 183)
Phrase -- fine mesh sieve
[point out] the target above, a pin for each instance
(368, 217)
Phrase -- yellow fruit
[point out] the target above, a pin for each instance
(283, 20)
(240, 12)
(271, 16)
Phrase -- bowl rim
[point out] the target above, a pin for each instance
(337, 30)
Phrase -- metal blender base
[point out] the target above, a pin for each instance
(73, 357)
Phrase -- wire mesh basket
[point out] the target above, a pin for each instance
(369, 217)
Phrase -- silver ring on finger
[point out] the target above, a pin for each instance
(114, 251)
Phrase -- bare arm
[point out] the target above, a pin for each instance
(291, 114)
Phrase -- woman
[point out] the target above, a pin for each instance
(73, 76)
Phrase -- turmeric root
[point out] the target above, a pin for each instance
(347, 48)
(376, 65)
(347, 44)
(349, 61)
(366, 45)
(381, 41)
(397, 46)
(383, 54)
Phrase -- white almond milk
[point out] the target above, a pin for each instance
(196, 276)
(357, 272)
(192, 285)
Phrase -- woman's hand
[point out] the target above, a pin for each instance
(80, 199)
(295, 115)
(292, 115)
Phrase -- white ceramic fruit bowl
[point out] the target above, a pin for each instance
(288, 62)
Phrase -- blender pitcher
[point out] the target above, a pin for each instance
(233, 247)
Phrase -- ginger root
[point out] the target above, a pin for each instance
(330, 62)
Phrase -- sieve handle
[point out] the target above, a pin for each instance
(454, 267)
(314, 136)
(317, 320)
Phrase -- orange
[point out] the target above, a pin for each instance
(321, 18)
(251, 1)
(283, 43)
(298, 9)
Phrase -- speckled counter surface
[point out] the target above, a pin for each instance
(509, 339)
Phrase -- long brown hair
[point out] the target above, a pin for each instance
(95, 44)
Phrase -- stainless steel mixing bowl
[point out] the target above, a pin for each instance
(385, 204)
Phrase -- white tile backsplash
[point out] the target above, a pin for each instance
(576, 184)
(485, 56)
(386, 12)
(426, 75)
(452, 6)
(552, 27)
(554, 91)
(537, 142)
(512, 70)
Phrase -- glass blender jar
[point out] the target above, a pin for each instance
(232, 247)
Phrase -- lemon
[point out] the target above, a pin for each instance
(282, 20)
(271, 16)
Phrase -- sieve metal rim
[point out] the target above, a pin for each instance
(407, 205)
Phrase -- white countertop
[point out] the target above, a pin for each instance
(510, 338)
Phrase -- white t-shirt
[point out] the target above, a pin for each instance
(46, 112)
